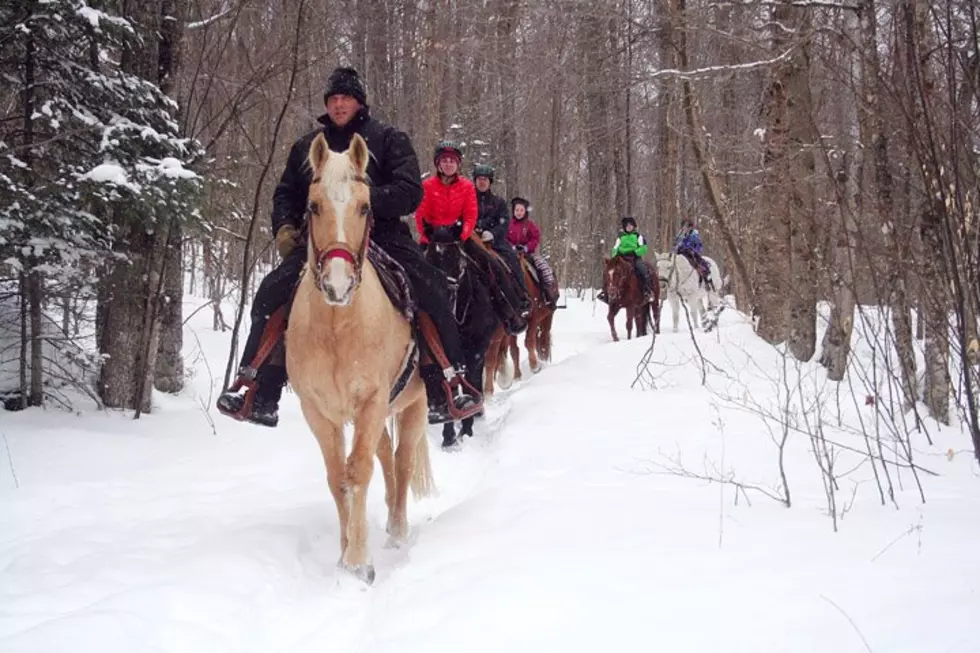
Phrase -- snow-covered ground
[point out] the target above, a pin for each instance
(555, 528)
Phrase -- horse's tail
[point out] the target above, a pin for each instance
(421, 483)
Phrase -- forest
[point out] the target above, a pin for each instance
(828, 151)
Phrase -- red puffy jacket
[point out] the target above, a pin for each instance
(444, 205)
(524, 232)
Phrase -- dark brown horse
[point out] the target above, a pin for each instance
(537, 339)
(622, 288)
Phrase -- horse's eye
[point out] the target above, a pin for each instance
(314, 208)
(365, 209)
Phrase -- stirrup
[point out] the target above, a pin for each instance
(242, 413)
(459, 413)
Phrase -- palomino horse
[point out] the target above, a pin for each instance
(623, 291)
(537, 339)
(347, 347)
(473, 309)
(679, 278)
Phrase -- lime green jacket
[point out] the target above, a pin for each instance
(630, 243)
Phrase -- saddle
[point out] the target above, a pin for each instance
(701, 266)
(395, 282)
(531, 270)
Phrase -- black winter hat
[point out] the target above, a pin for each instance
(628, 219)
(345, 81)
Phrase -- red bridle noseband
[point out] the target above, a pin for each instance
(338, 249)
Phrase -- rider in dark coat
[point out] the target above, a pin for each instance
(492, 224)
(396, 190)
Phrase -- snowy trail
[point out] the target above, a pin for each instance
(550, 530)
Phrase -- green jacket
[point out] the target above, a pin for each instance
(630, 243)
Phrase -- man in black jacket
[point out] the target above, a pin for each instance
(492, 222)
(396, 190)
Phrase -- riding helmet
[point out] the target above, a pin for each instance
(517, 199)
(447, 147)
(483, 170)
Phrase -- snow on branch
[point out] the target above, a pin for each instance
(821, 4)
(726, 68)
(207, 21)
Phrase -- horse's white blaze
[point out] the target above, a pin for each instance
(336, 181)
(339, 278)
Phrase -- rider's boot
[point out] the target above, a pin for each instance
(450, 395)
(264, 410)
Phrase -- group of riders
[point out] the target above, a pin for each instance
(632, 245)
(449, 209)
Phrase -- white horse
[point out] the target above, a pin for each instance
(679, 278)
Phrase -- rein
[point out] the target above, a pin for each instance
(338, 249)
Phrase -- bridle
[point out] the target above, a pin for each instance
(338, 249)
(665, 281)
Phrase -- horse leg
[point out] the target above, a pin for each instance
(675, 309)
(449, 435)
(531, 342)
(492, 362)
(629, 322)
(386, 456)
(330, 437)
(544, 337)
(515, 356)
(611, 318)
(368, 426)
(412, 468)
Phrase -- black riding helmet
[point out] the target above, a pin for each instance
(628, 219)
(520, 200)
(483, 170)
(447, 146)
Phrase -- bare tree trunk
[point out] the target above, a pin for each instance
(35, 296)
(506, 42)
(787, 292)
(169, 367)
(24, 339)
(170, 361)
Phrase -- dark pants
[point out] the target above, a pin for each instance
(644, 273)
(698, 262)
(429, 283)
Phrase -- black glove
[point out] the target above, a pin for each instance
(443, 235)
(522, 248)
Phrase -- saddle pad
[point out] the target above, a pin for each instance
(394, 281)
(532, 270)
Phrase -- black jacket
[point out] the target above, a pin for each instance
(493, 217)
(393, 168)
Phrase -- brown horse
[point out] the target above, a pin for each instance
(347, 346)
(622, 288)
(537, 338)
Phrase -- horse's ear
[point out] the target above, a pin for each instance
(358, 153)
(319, 153)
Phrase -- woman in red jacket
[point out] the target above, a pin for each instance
(449, 203)
(525, 236)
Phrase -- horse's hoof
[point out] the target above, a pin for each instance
(394, 542)
(363, 573)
